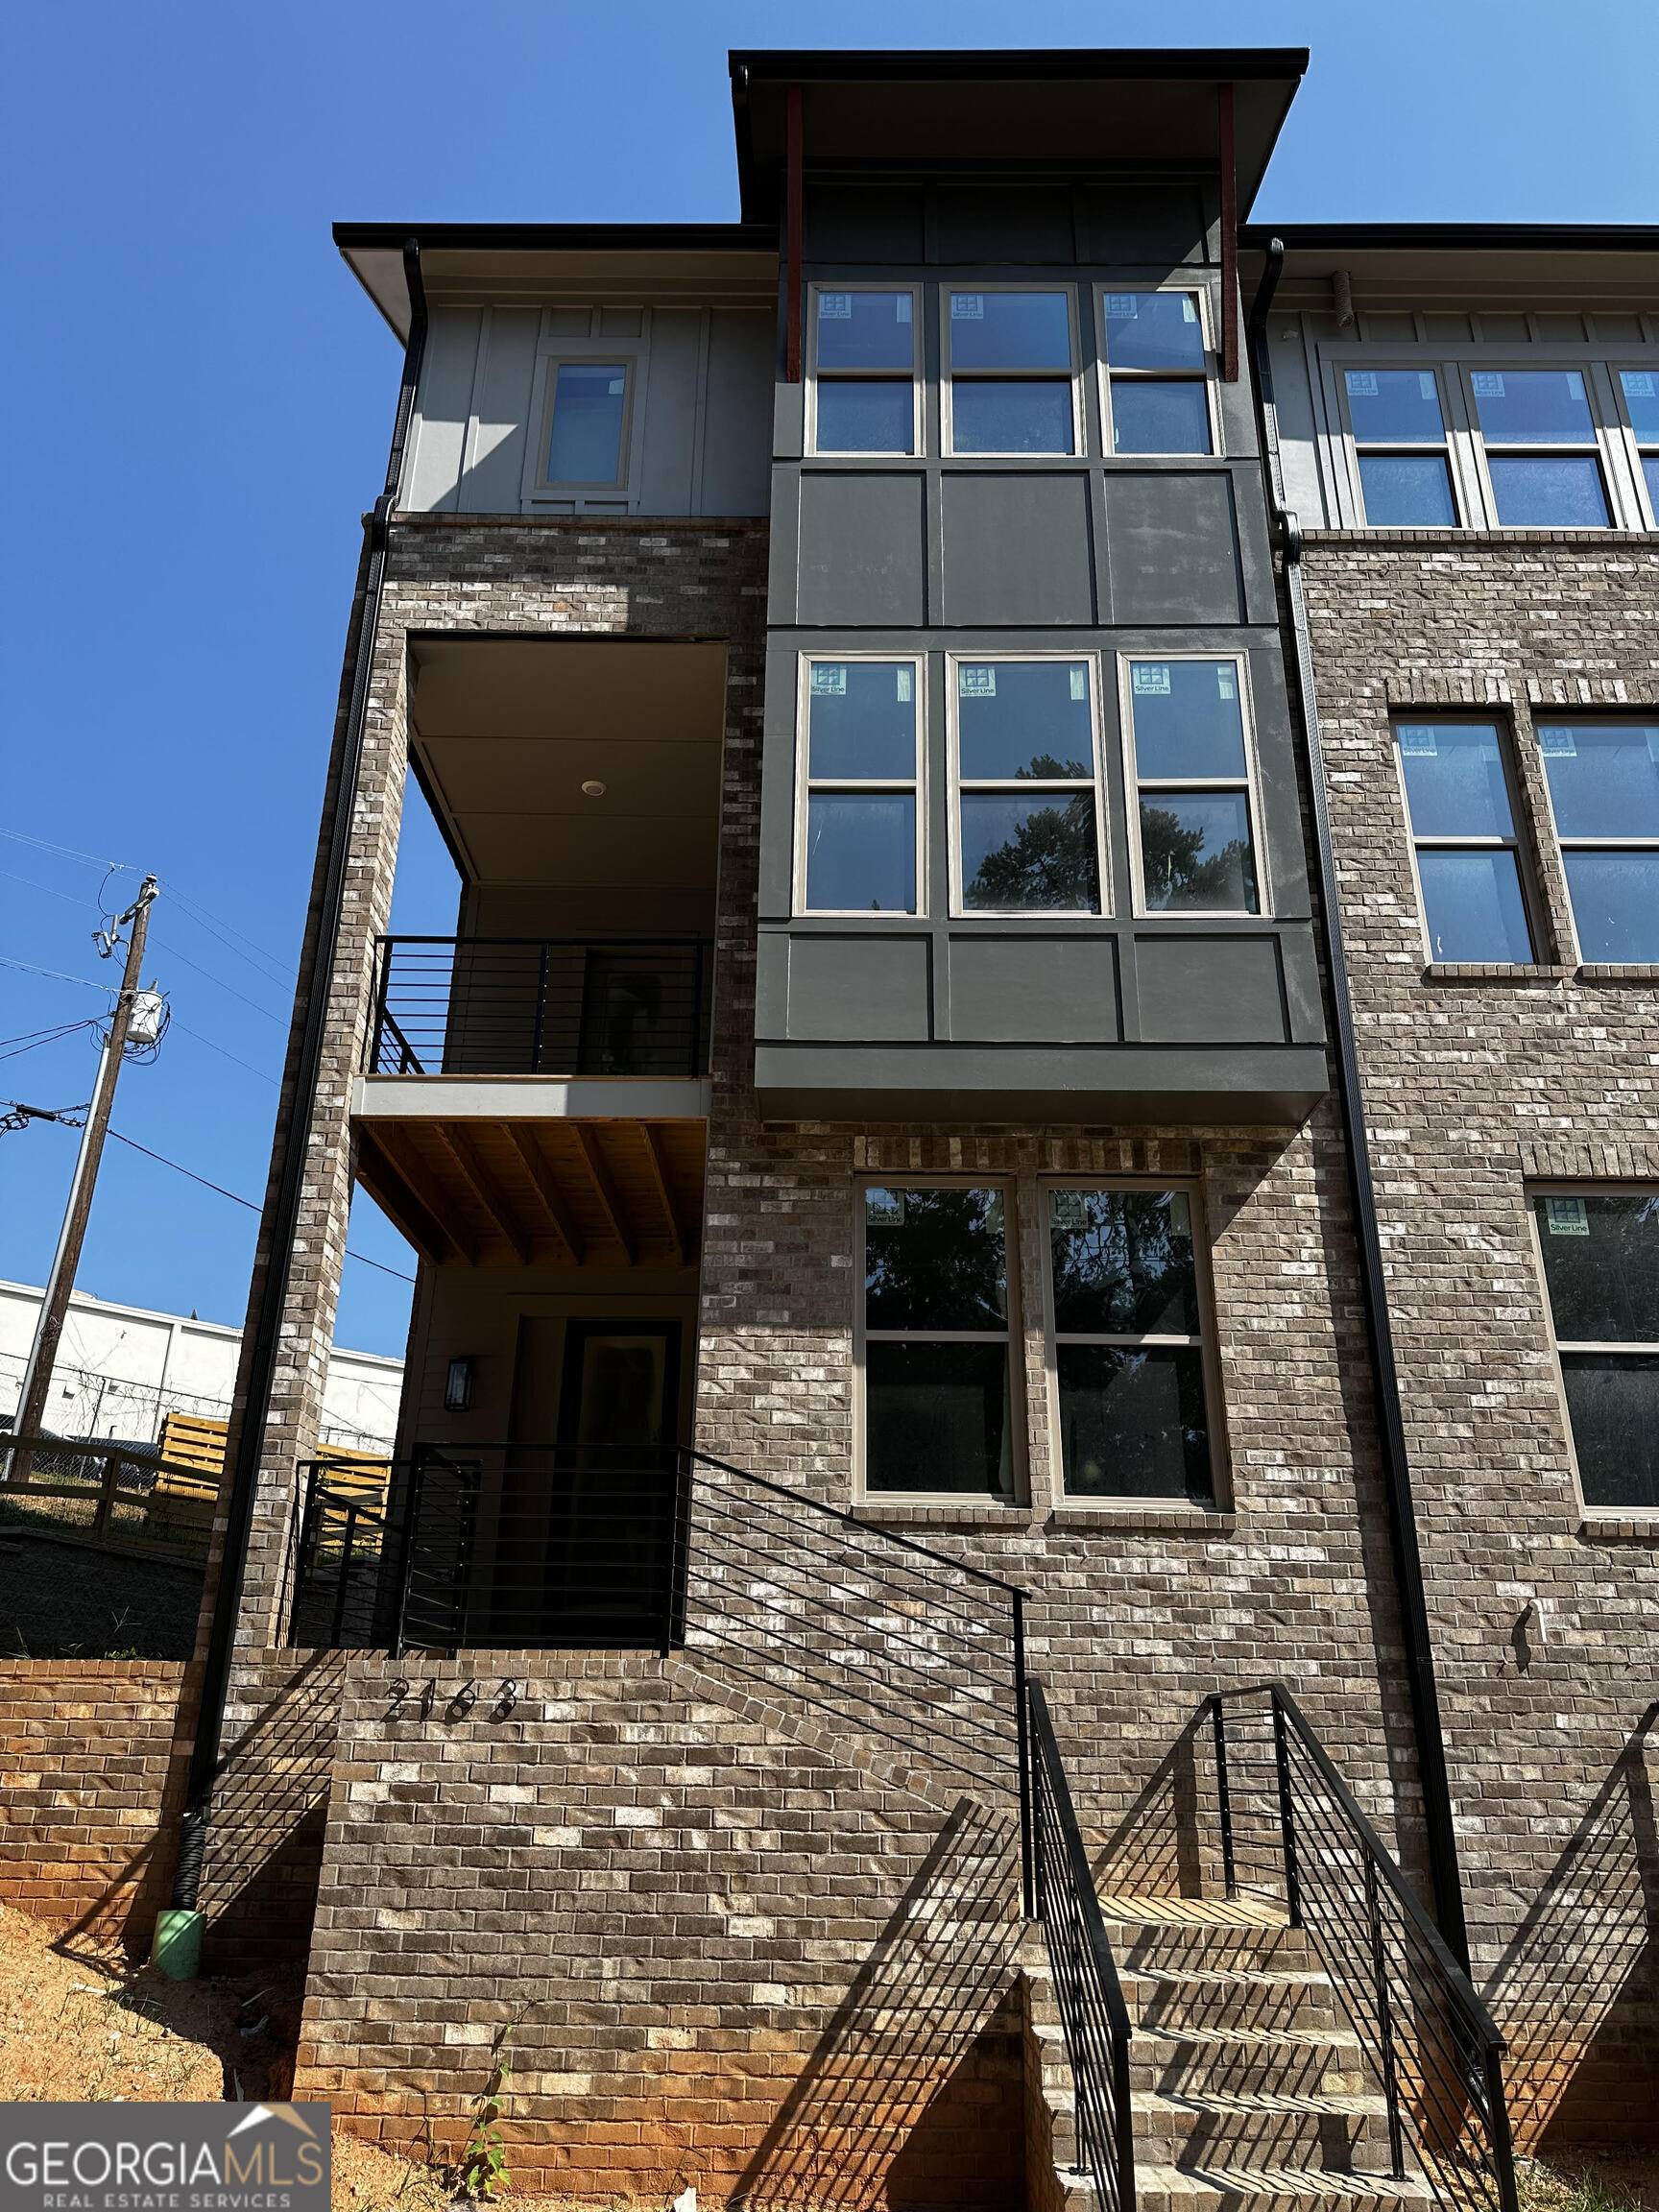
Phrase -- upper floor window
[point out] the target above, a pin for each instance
(1011, 381)
(1029, 821)
(1604, 780)
(588, 422)
(865, 387)
(1399, 428)
(1600, 1256)
(1541, 450)
(1463, 834)
(1189, 751)
(1157, 372)
(1638, 389)
(859, 838)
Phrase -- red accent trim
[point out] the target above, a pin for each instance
(792, 232)
(1228, 236)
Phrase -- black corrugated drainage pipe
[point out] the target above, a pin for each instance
(178, 1934)
(1437, 1819)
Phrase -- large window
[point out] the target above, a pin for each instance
(1463, 831)
(1639, 387)
(1399, 429)
(1129, 1345)
(1604, 781)
(1028, 812)
(586, 421)
(1540, 441)
(938, 1403)
(1011, 372)
(1189, 752)
(858, 840)
(1601, 1254)
(1157, 372)
(865, 385)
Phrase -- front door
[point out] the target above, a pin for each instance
(621, 1384)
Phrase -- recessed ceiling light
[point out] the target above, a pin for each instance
(593, 788)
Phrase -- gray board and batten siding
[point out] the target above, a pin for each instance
(1120, 1016)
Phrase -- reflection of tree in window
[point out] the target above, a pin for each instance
(1051, 860)
(938, 1263)
(1177, 875)
(1124, 1268)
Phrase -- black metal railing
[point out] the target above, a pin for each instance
(341, 1552)
(1291, 1830)
(1090, 1997)
(540, 1007)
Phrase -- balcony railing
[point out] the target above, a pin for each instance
(540, 1007)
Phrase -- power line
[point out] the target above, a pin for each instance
(263, 1076)
(45, 844)
(217, 979)
(56, 974)
(218, 927)
(32, 1040)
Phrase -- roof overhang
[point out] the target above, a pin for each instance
(1056, 107)
(1470, 264)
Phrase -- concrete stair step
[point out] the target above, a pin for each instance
(1219, 1998)
(1280, 2061)
(1218, 2187)
(1214, 2128)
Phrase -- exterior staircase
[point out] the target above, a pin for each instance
(1249, 2093)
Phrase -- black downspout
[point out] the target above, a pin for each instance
(1437, 1820)
(284, 1216)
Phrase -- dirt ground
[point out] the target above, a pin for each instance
(61, 1601)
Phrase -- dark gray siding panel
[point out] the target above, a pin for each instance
(862, 223)
(1145, 223)
(862, 558)
(1211, 991)
(1017, 549)
(671, 411)
(1037, 990)
(737, 464)
(999, 222)
(860, 988)
(1172, 550)
(494, 480)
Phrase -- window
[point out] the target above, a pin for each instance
(1157, 372)
(1028, 815)
(1129, 1345)
(1540, 441)
(1601, 1254)
(1640, 390)
(858, 848)
(1400, 442)
(864, 389)
(588, 416)
(938, 1409)
(1463, 832)
(1011, 370)
(1604, 781)
(1189, 767)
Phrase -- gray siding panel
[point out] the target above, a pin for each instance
(1017, 549)
(862, 988)
(736, 429)
(862, 223)
(1172, 550)
(1038, 990)
(445, 400)
(1211, 991)
(1001, 222)
(671, 411)
(493, 481)
(861, 559)
(1156, 225)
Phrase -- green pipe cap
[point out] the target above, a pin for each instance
(178, 1946)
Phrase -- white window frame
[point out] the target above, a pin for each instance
(1649, 1515)
(1540, 450)
(1249, 784)
(1021, 785)
(1013, 1339)
(548, 366)
(1636, 450)
(1193, 1189)
(865, 375)
(1072, 377)
(1209, 375)
(1530, 903)
(856, 786)
(1543, 719)
(1353, 445)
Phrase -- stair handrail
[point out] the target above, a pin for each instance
(1068, 1907)
(1381, 1874)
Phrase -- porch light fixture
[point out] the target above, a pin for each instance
(593, 788)
(458, 1386)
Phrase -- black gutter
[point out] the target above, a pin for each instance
(1015, 65)
(563, 237)
(282, 1222)
(1453, 237)
(1439, 1827)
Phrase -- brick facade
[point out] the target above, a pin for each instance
(1541, 1615)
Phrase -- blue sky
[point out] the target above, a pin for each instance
(201, 399)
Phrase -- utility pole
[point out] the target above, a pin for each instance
(55, 1302)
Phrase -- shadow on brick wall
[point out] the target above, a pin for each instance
(270, 1808)
(1576, 1992)
(913, 2095)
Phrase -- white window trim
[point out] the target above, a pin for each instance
(615, 489)
(865, 375)
(1543, 720)
(1352, 443)
(1248, 783)
(953, 661)
(1531, 905)
(1649, 1515)
(855, 785)
(1634, 449)
(1014, 1338)
(1074, 378)
(1209, 374)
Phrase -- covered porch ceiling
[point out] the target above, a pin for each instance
(504, 733)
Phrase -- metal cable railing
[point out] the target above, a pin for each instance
(540, 1007)
(1093, 2013)
(1289, 1830)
